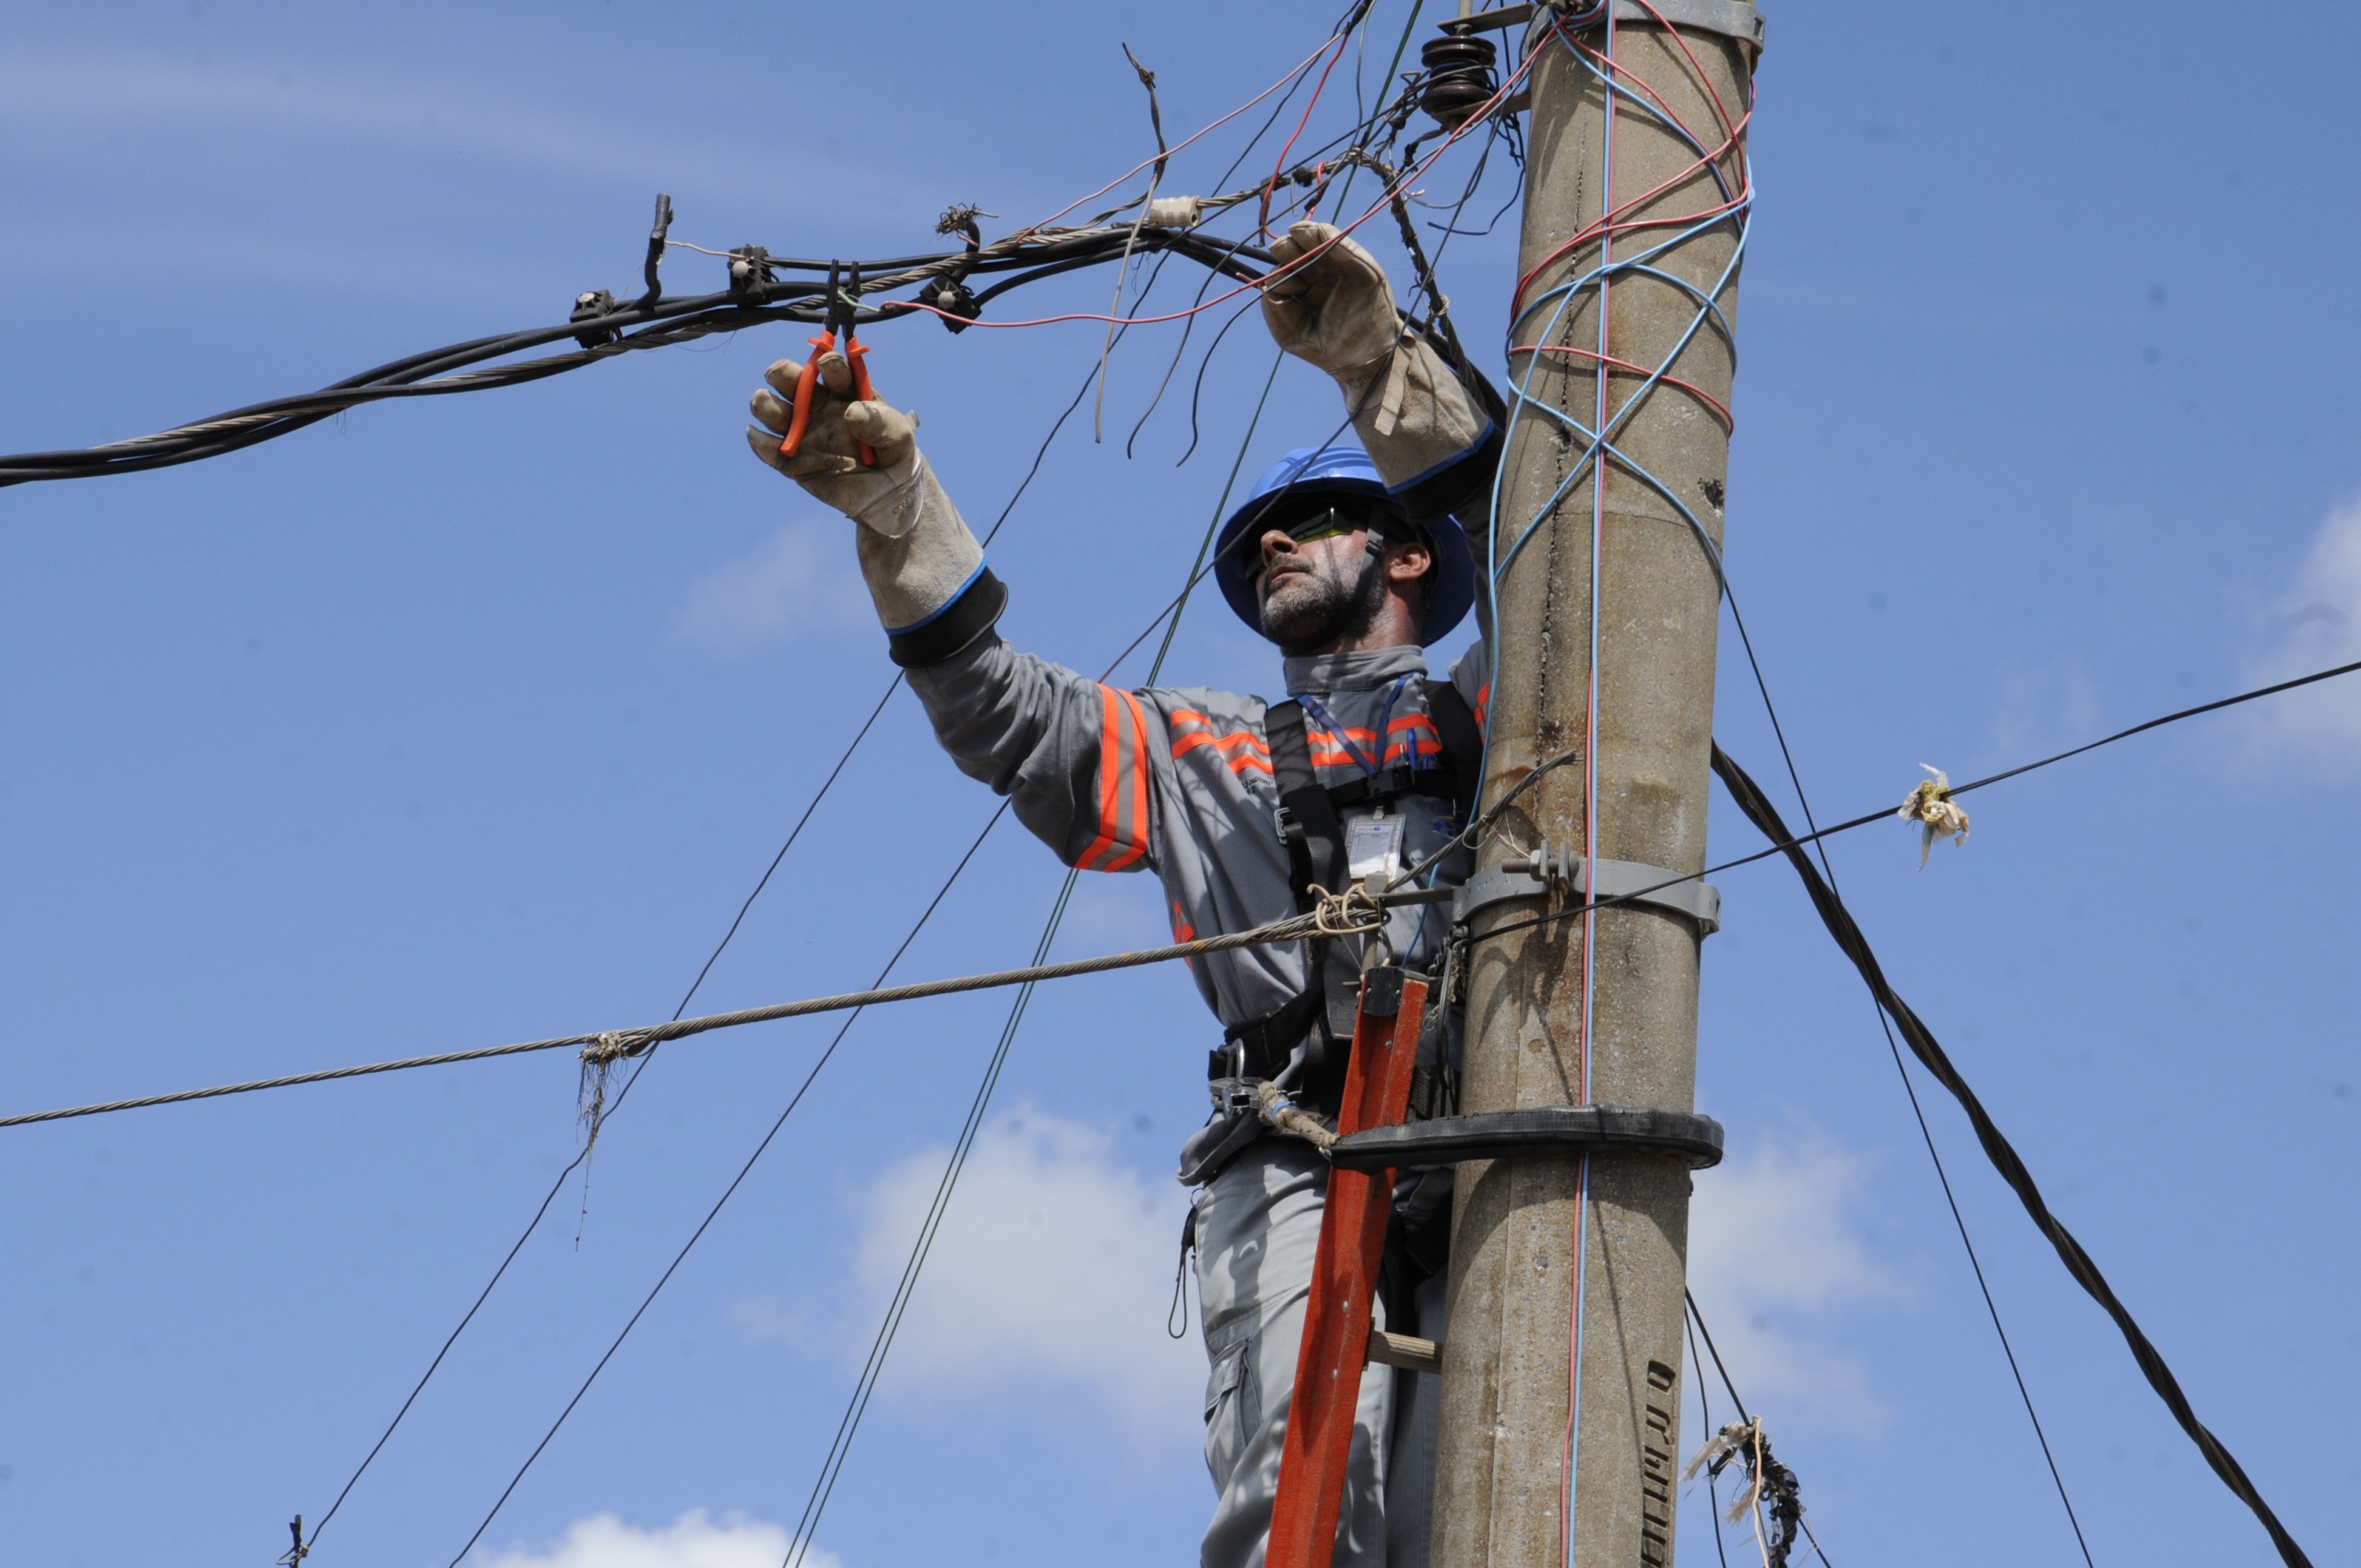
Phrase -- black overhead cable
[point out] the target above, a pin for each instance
(1759, 810)
(603, 327)
(1705, 1423)
(659, 323)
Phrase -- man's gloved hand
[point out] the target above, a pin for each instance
(1336, 311)
(1409, 408)
(916, 553)
(888, 498)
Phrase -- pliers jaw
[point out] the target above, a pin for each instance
(844, 306)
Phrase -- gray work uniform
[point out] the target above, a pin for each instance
(1179, 781)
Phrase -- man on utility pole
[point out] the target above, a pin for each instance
(1563, 1367)
(1350, 561)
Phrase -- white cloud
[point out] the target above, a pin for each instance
(1771, 1248)
(693, 1540)
(803, 578)
(2318, 624)
(1053, 1264)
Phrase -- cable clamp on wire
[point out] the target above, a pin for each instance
(588, 306)
(1563, 869)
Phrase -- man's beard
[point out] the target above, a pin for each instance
(1312, 608)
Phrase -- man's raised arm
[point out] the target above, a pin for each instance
(1072, 754)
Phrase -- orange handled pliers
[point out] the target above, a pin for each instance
(843, 306)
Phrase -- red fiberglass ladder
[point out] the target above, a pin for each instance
(1344, 1279)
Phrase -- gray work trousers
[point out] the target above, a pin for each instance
(1258, 1230)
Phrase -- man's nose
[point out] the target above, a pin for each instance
(1277, 543)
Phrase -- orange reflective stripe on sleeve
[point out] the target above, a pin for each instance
(1123, 784)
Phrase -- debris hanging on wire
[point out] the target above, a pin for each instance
(1938, 815)
(1770, 1486)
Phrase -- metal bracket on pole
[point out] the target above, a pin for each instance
(1732, 18)
(1645, 886)
(1542, 1130)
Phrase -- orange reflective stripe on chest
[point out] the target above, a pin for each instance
(1123, 784)
(1242, 750)
(1412, 739)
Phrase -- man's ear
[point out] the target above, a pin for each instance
(1408, 561)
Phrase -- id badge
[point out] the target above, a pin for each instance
(1373, 845)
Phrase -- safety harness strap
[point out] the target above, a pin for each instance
(1307, 819)
(1463, 745)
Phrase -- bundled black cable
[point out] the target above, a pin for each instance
(603, 329)
(1930, 1053)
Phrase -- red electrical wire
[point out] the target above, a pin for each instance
(1608, 222)
(1262, 225)
(1381, 205)
(1292, 72)
(1721, 409)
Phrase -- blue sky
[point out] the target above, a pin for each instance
(475, 720)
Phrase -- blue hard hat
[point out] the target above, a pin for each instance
(1307, 475)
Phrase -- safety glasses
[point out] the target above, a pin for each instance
(1328, 524)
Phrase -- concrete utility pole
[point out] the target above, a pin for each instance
(1548, 1022)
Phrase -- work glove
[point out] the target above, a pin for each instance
(1336, 311)
(916, 551)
